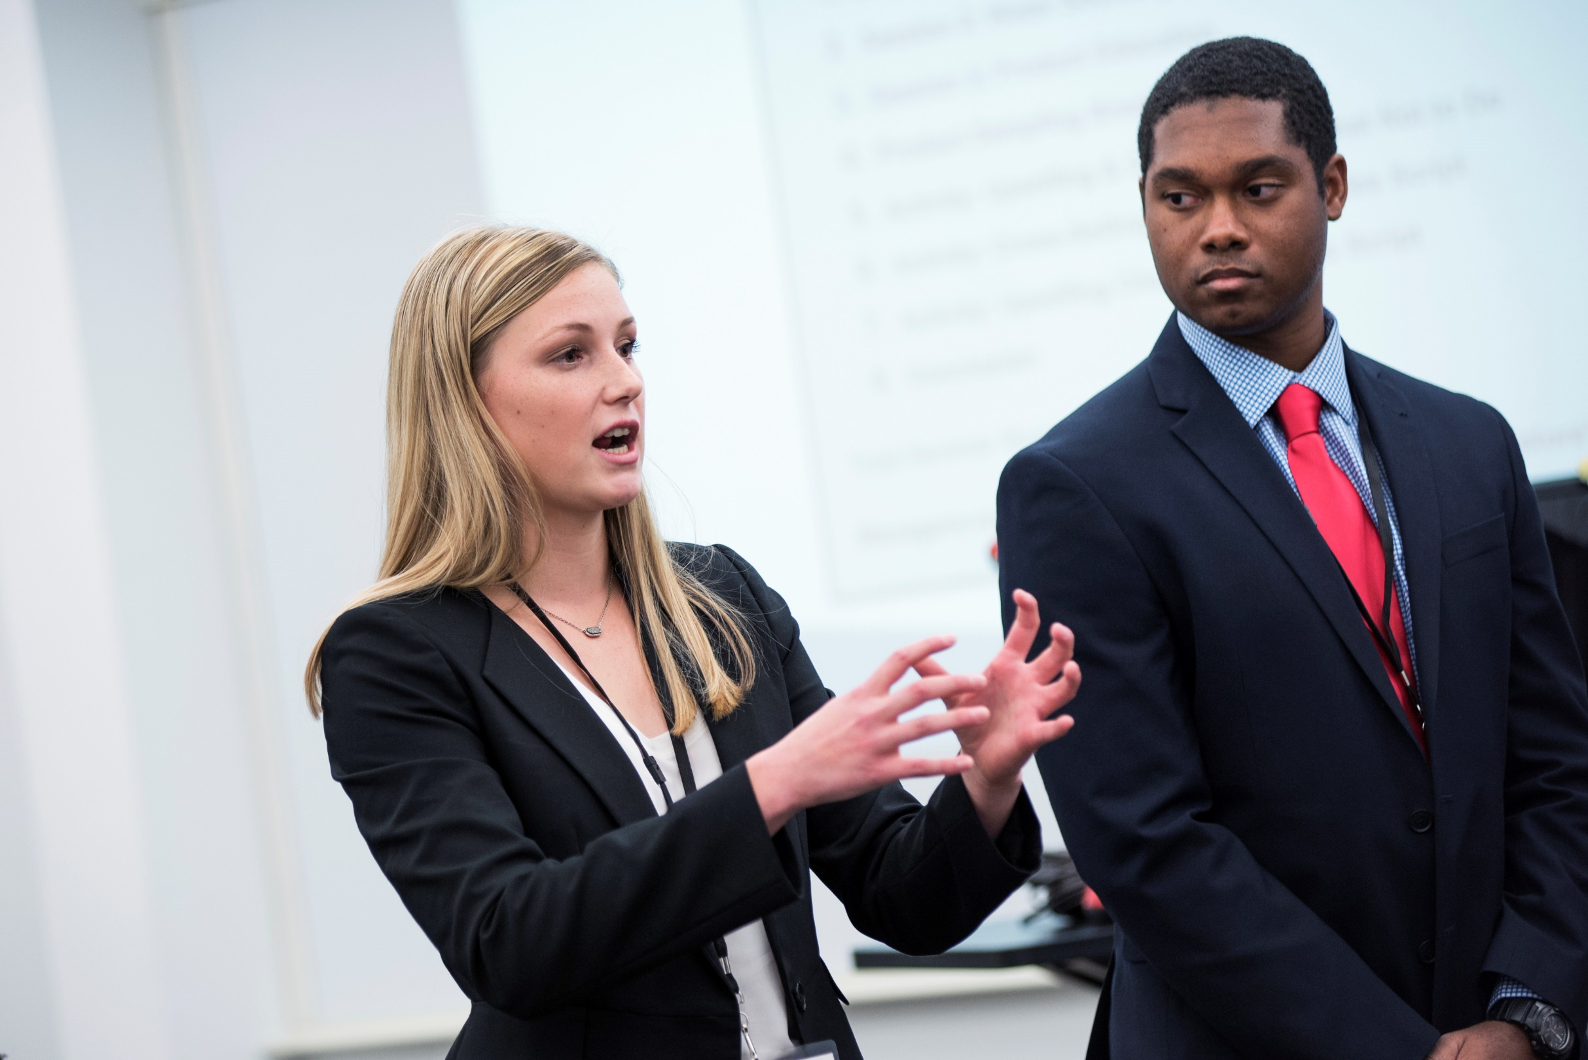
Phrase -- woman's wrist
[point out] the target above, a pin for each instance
(993, 797)
(774, 787)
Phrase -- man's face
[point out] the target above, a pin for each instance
(1233, 214)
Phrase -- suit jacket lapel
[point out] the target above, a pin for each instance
(535, 686)
(1410, 472)
(1213, 430)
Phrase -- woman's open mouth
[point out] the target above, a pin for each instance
(615, 441)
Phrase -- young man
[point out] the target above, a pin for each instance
(1331, 768)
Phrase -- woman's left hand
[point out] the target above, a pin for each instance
(1022, 698)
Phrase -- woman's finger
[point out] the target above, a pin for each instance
(1063, 690)
(1024, 628)
(929, 667)
(929, 688)
(895, 665)
(1051, 730)
(931, 724)
(1060, 649)
(930, 767)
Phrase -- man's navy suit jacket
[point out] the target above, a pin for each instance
(1289, 874)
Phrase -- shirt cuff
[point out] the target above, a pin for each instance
(1505, 987)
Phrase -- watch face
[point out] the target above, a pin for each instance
(1554, 1032)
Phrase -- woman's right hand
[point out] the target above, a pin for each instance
(851, 745)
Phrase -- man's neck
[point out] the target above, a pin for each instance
(1292, 343)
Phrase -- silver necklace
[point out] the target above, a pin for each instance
(590, 631)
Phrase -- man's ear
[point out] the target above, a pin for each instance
(1335, 186)
(1141, 189)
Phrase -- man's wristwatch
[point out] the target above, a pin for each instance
(1546, 1027)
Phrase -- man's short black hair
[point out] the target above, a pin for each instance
(1251, 68)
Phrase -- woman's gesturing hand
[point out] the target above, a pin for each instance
(1021, 698)
(851, 745)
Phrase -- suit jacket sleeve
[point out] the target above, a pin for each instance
(1542, 938)
(1138, 815)
(918, 879)
(521, 931)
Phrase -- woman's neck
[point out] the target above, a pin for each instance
(574, 565)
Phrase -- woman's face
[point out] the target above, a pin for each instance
(560, 381)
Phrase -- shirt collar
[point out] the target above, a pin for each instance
(1254, 382)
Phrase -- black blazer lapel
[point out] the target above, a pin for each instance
(1213, 430)
(736, 737)
(753, 727)
(526, 677)
(750, 728)
(1410, 471)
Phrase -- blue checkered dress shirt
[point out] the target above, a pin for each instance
(1254, 384)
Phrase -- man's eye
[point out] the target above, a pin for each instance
(1262, 191)
(1179, 198)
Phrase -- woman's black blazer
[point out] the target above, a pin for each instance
(576, 920)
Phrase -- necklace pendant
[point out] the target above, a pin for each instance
(591, 631)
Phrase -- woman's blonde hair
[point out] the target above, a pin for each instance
(458, 497)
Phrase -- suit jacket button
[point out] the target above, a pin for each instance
(1420, 821)
(1425, 952)
(799, 996)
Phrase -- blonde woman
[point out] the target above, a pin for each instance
(598, 767)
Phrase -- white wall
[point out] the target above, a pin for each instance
(208, 216)
(335, 147)
(96, 988)
(177, 581)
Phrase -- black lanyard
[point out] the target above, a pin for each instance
(652, 766)
(1383, 635)
(686, 774)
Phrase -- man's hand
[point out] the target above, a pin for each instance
(1490, 1040)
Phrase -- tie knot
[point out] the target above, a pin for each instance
(1298, 408)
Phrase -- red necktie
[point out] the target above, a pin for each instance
(1342, 518)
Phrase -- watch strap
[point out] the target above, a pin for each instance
(1530, 1014)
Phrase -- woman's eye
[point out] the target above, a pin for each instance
(630, 348)
(568, 356)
